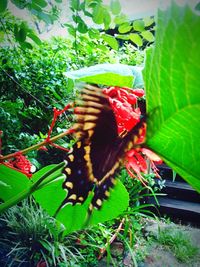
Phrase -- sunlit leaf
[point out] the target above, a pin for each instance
(148, 36)
(82, 27)
(75, 4)
(12, 182)
(172, 85)
(106, 19)
(124, 28)
(35, 38)
(106, 74)
(122, 18)
(74, 218)
(136, 39)
(148, 21)
(98, 14)
(138, 25)
(111, 41)
(93, 33)
(122, 36)
(115, 7)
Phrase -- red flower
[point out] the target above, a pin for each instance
(124, 104)
(122, 101)
(21, 163)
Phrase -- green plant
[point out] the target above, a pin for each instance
(30, 235)
(158, 86)
(13, 29)
(179, 243)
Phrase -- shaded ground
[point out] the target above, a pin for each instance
(160, 255)
(182, 247)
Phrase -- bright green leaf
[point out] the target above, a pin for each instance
(35, 8)
(93, 33)
(98, 14)
(3, 5)
(26, 45)
(172, 85)
(120, 19)
(136, 39)
(115, 7)
(71, 30)
(148, 36)
(111, 41)
(1, 36)
(75, 217)
(12, 182)
(51, 194)
(106, 19)
(122, 36)
(124, 28)
(82, 27)
(106, 74)
(75, 4)
(148, 21)
(138, 25)
(58, 1)
(21, 36)
(35, 38)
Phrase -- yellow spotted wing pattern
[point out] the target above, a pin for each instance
(98, 152)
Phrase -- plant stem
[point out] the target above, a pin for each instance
(34, 147)
(27, 192)
(102, 252)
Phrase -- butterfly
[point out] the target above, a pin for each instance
(98, 152)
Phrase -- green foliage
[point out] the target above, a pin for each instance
(16, 183)
(139, 32)
(19, 187)
(77, 216)
(30, 235)
(171, 82)
(34, 236)
(17, 31)
(3, 5)
(179, 243)
(27, 74)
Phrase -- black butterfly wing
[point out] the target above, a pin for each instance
(97, 155)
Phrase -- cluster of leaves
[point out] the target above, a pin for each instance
(30, 235)
(112, 27)
(11, 28)
(28, 72)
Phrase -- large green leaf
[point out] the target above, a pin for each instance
(74, 218)
(51, 194)
(172, 85)
(108, 74)
(12, 182)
